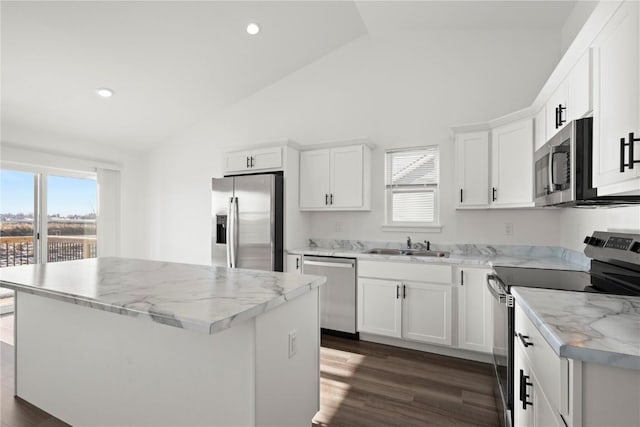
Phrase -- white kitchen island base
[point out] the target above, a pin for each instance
(92, 367)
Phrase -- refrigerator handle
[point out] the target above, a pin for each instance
(235, 234)
(229, 232)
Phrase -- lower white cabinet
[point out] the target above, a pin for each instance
(294, 263)
(399, 303)
(426, 312)
(474, 309)
(379, 307)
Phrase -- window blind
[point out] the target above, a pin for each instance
(413, 206)
(413, 167)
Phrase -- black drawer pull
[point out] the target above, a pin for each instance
(629, 144)
(523, 339)
(524, 383)
(493, 193)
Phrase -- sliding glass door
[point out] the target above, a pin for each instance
(18, 217)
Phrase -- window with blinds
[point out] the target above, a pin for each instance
(412, 186)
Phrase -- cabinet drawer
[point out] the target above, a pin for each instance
(405, 271)
(544, 362)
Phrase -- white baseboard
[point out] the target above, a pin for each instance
(444, 351)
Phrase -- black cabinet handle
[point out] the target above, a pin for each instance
(404, 291)
(524, 383)
(523, 339)
(461, 195)
(326, 199)
(253, 161)
(461, 277)
(297, 263)
(561, 121)
(493, 194)
(632, 160)
(397, 291)
(331, 199)
(557, 118)
(248, 162)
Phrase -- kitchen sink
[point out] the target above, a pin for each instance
(410, 252)
(384, 251)
(440, 254)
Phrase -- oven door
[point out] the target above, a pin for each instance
(502, 347)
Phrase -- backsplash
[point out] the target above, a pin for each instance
(523, 251)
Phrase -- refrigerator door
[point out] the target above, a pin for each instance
(255, 201)
(222, 194)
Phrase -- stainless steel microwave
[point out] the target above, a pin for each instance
(563, 170)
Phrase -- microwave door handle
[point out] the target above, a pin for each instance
(551, 183)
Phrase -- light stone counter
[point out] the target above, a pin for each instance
(585, 326)
(463, 254)
(199, 298)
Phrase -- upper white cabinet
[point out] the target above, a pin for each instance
(336, 178)
(512, 165)
(539, 128)
(472, 169)
(572, 99)
(616, 94)
(474, 309)
(253, 160)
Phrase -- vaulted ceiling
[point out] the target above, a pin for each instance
(172, 62)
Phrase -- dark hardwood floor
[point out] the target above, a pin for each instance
(367, 384)
(362, 384)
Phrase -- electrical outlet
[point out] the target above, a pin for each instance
(339, 226)
(508, 228)
(293, 343)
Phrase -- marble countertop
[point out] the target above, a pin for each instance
(534, 259)
(200, 298)
(586, 326)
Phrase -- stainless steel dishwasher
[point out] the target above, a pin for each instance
(338, 295)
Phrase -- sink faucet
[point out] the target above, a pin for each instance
(408, 242)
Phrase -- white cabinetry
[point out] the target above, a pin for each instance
(253, 160)
(336, 178)
(397, 300)
(539, 129)
(472, 169)
(572, 99)
(379, 307)
(616, 98)
(512, 165)
(474, 309)
(294, 263)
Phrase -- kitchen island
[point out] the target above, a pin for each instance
(116, 341)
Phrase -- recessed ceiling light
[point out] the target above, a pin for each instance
(253, 28)
(105, 92)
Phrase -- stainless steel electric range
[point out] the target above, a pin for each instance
(615, 269)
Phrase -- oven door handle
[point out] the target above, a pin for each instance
(502, 297)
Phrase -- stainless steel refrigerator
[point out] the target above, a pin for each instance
(247, 214)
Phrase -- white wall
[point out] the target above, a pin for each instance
(398, 90)
(578, 223)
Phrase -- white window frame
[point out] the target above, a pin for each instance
(389, 225)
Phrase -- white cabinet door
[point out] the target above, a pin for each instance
(268, 158)
(253, 160)
(472, 169)
(474, 310)
(379, 307)
(556, 110)
(294, 263)
(579, 88)
(237, 162)
(314, 178)
(539, 130)
(347, 177)
(426, 312)
(512, 165)
(616, 94)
